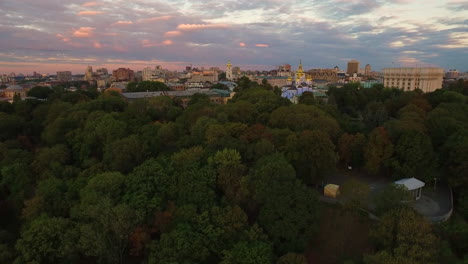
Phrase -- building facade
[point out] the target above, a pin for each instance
(123, 74)
(367, 70)
(353, 67)
(229, 75)
(330, 75)
(452, 74)
(410, 79)
(64, 76)
(89, 73)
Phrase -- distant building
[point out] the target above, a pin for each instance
(64, 76)
(354, 79)
(284, 70)
(13, 90)
(353, 67)
(330, 75)
(370, 83)
(229, 75)
(452, 74)
(205, 76)
(215, 95)
(367, 70)
(413, 186)
(102, 71)
(147, 74)
(410, 79)
(123, 74)
(89, 73)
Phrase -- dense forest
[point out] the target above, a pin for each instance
(87, 177)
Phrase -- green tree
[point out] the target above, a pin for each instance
(378, 150)
(48, 240)
(351, 149)
(182, 245)
(288, 209)
(148, 188)
(292, 258)
(105, 222)
(403, 235)
(312, 154)
(248, 252)
(124, 154)
(146, 86)
(230, 174)
(413, 156)
(40, 92)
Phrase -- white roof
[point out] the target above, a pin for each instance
(411, 183)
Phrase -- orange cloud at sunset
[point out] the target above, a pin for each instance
(153, 19)
(147, 43)
(262, 45)
(172, 33)
(83, 32)
(90, 4)
(201, 26)
(63, 38)
(97, 45)
(89, 13)
(123, 23)
(242, 44)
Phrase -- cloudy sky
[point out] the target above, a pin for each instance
(51, 35)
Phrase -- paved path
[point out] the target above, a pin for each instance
(436, 205)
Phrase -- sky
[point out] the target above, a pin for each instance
(53, 35)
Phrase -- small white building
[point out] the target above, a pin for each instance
(413, 185)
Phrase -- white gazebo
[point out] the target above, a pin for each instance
(413, 185)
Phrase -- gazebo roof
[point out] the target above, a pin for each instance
(411, 183)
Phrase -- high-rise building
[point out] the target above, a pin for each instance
(89, 73)
(147, 74)
(353, 67)
(64, 76)
(452, 74)
(102, 71)
(367, 70)
(122, 74)
(229, 75)
(409, 79)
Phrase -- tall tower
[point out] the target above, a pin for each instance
(89, 73)
(299, 73)
(229, 71)
(353, 67)
(367, 70)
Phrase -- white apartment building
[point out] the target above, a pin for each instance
(409, 79)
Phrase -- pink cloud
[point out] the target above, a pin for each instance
(172, 33)
(153, 19)
(147, 44)
(111, 34)
(63, 38)
(201, 26)
(120, 48)
(262, 45)
(83, 32)
(97, 45)
(123, 23)
(242, 44)
(90, 4)
(89, 13)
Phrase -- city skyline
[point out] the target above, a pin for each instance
(50, 36)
